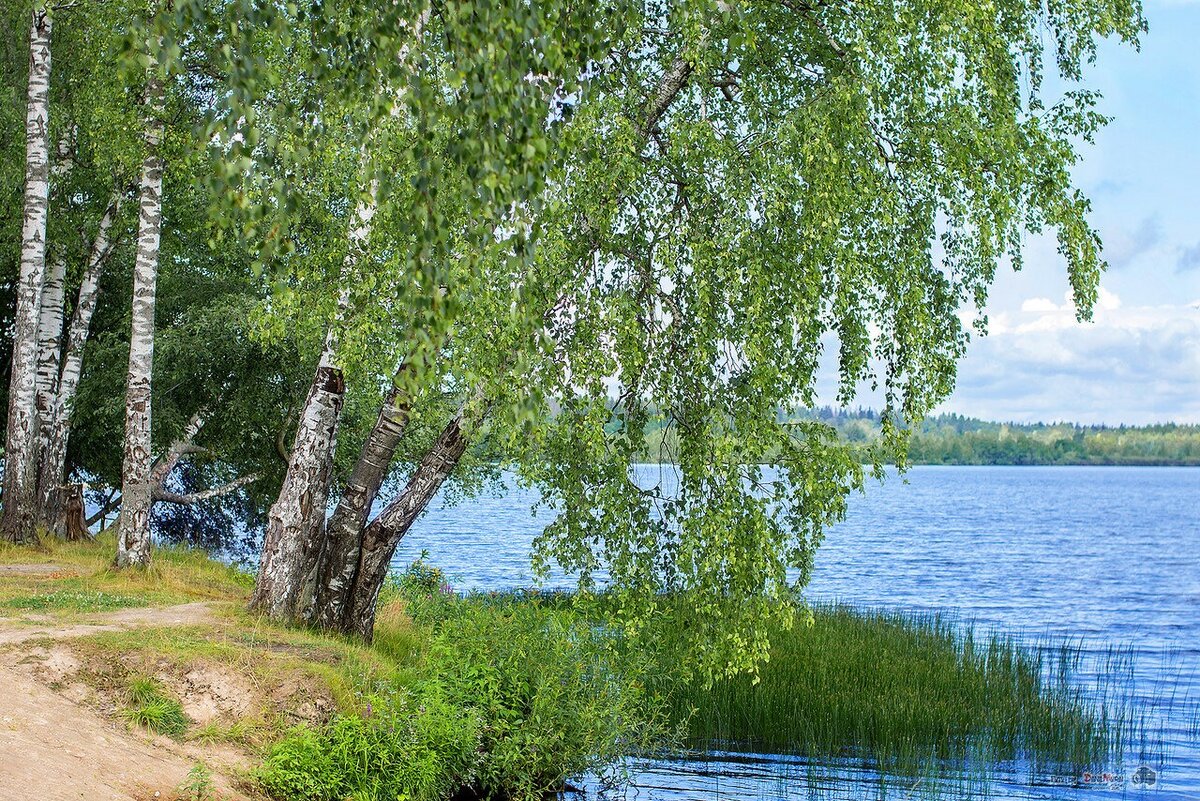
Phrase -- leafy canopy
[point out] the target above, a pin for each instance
(680, 206)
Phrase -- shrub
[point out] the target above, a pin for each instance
(555, 698)
(520, 693)
(403, 745)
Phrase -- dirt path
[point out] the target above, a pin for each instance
(193, 614)
(53, 749)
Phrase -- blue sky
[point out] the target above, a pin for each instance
(1139, 360)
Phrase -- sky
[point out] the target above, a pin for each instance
(1138, 361)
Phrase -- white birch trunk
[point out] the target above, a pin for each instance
(18, 523)
(50, 330)
(133, 537)
(296, 523)
(52, 467)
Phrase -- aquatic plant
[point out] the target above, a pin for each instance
(902, 692)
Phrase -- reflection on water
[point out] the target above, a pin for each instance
(781, 778)
(1107, 559)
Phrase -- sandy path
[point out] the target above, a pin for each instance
(52, 749)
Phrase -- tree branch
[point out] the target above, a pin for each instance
(193, 498)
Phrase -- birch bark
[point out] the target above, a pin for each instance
(339, 567)
(296, 523)
(50, 330)
(19, 519)
(52, 466)
(133, 536)
(380, 538)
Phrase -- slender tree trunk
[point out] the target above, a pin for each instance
(50, 330)
(339, 566)
(52, 466)
(133, 537)
(19, 519)
(380, 538)
(296, 524)
(297, 518)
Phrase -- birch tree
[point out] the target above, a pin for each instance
(133, 537)
(667, 221)
(414, 123)
(19, 518)
(56, 416)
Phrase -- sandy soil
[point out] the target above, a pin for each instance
(55, 748)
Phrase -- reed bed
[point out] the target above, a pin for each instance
(904, 693)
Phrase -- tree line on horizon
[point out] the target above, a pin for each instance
(298, 266)
(954, 439)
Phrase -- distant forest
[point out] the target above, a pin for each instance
(954, 439)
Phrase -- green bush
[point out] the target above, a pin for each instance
(520, 694)
(404, 745)
(555, 696)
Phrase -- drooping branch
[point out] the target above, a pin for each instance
(357, 562)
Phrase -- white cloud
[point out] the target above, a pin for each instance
(1039, 305)
(1130, 364)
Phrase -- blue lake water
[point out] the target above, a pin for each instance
(1098, 556)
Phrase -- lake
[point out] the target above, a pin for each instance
(1099, 556)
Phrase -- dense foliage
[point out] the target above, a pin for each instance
(954, 439)
(516, 697)
(525, 229)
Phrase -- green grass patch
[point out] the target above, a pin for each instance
(177, 574)
(73, 601)
(149, 705)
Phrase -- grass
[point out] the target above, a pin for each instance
(149, 705)
(900, 692)
(74, 600)
(176, 575)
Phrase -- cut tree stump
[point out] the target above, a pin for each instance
(71, 523)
